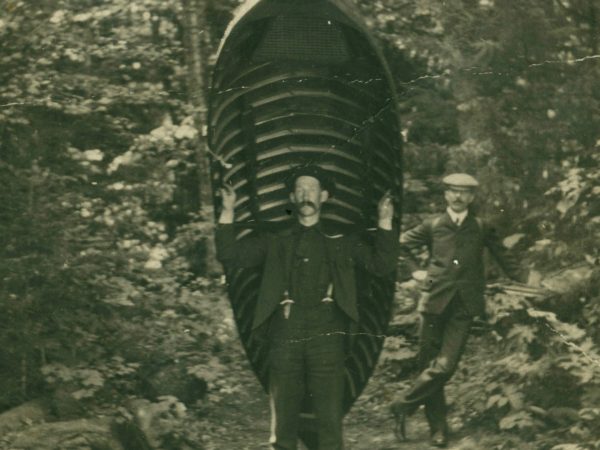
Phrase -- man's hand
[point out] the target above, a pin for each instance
(419, 275)
(534, 279)
(228, 198)
(385, 211)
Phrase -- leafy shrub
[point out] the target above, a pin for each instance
(536, 374)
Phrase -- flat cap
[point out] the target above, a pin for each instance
(460, 180)
(311, 170)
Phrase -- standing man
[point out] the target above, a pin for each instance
(306, 302)
(453, 295)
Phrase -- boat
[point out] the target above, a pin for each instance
(295, 83)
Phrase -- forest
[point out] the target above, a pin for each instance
(115, 328)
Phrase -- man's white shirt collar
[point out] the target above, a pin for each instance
(457, 218)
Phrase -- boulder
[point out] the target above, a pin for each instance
(82, 434)
(23, 415)
(171, 379)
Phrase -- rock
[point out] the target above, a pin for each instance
(570, 289)
(66, 407)
(512, 240)
(21, 416)
(132, 436)
(404, 325)
(83, 434)
(567, 279)
(562, 416)
(148, 425)
(172, 380)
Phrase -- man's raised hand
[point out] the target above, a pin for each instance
(228, 198)
(385, 211)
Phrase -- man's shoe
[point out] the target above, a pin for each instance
(439, 439)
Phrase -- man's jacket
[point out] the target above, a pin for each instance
(456, 264)
(275, 252)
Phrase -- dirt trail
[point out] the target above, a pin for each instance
(240, 420)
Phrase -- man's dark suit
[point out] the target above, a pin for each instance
(276, 250)
(453, 293)
(306, 348)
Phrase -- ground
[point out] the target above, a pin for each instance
(234, 413)
(237, 417)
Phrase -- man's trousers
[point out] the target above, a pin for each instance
(442, 339)
(307, 357)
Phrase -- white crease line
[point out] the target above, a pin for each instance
(568, 61)
(575, 346)
(335, 333)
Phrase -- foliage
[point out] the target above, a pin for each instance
(86, 382)
(101, 247)
(539, 374)
(98, 174)
(504, 91)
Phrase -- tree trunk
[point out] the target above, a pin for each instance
(593, 21)
(197, 52)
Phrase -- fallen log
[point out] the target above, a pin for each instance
(563, 292)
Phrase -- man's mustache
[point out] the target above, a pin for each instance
(306, 203)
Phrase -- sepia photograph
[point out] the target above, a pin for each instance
(299, 224)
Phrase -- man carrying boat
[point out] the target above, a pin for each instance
(307, 302)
